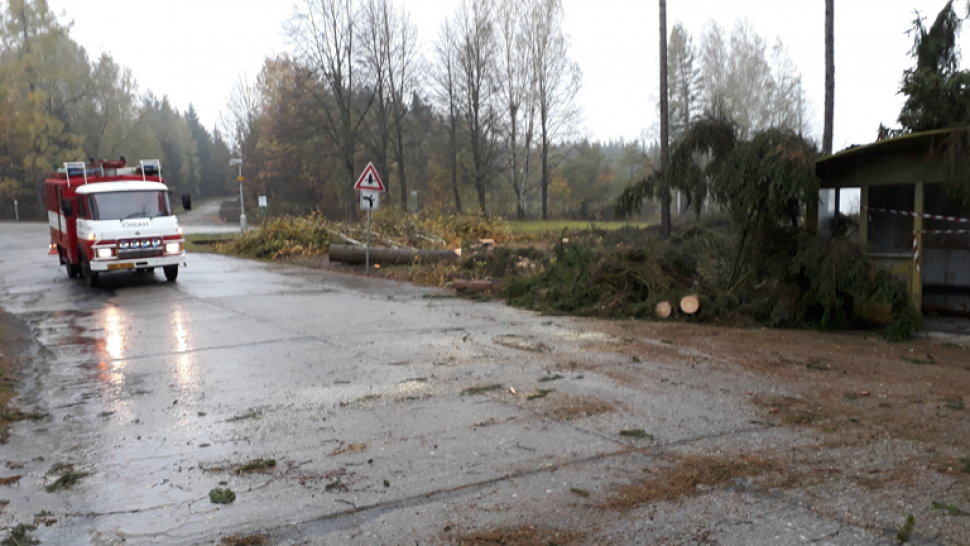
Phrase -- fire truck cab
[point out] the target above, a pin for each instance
(105, 216)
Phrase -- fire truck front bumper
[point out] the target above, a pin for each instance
(121, 264)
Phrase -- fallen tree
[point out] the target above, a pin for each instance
(352, 254)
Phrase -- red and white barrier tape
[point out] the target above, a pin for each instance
(919, 215)
(916, 234)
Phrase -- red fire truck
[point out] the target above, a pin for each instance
(106, 216)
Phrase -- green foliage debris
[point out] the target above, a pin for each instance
(472, 391)
(283, 237)
(67, 477)
(540, 393)
(918, 361)
(950, 509)
(954, 403)
(221, 496)
(13, 416)
(636, 433)
(579, 492)
(20, 536)
(258, 465)
(787, 278)
(906, 530)
(548, 378)
(251, 414)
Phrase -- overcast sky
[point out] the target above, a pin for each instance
(193, 51)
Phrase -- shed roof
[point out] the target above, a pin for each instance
(893, 160)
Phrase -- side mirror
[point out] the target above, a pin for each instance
(67, 207)
(186, 201)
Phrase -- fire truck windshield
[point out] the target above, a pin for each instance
(129, 204)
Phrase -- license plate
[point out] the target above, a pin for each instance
(120, 266)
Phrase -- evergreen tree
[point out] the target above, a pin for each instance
(938, 94)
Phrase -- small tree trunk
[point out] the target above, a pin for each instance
(401, 169)
(545, 174)
(454, 162)
(480, 186)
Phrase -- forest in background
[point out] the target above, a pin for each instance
(482, 117)
(58, 105)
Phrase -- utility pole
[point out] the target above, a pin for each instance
(664, 136)
(242, 204)
(829, 76)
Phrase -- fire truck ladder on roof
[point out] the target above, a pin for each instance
(154, 164)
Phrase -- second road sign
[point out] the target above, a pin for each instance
(370, 200)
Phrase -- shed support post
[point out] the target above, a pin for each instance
(864, 219)
(916, 287)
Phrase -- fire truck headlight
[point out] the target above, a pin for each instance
(91, 236)
(105, 253)
(172, 248)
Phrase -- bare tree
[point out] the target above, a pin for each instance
(518, 105)
(240, 119)
(789, 105)
(744, 83)
(714, 55)
(477, 50)
(404, 68)
(323, 32)
(829, 76)
(557, 81)
(446, 86)
(374, 41)
(683, 83)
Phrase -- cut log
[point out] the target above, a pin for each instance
(690, 304)
(476, 286)
(352, 254)
(664, 309)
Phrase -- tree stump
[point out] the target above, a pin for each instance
(690, 304)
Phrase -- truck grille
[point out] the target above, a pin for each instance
(140, 253)
(139, 248)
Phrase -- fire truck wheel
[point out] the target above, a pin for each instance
(91, 277)
(171, 272)
(73, 271)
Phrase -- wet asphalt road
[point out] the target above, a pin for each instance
(357, 389)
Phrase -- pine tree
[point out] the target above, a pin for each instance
(938, 94)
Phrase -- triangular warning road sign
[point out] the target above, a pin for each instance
(369, 180)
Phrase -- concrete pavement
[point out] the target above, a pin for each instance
(386, 408)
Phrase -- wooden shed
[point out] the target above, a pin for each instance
(908, 222)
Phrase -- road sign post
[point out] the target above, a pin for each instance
(370, 187)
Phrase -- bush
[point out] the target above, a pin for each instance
(285, 236)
